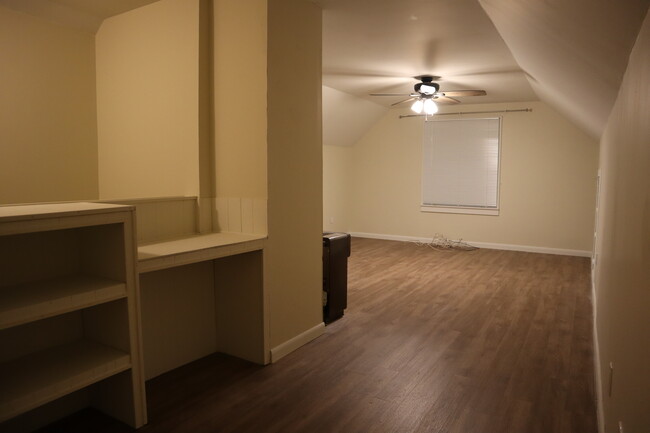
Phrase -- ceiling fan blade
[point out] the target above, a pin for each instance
(389, 94)
(401, 102)
(464, 92)
(447, 100)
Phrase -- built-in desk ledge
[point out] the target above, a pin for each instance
(193, 249)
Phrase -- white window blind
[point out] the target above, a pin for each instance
(460, 164)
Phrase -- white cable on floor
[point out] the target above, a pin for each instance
(441, 243)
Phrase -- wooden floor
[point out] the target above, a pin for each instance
(432, 341)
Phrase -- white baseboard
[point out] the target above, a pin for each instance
(494, 246)
(299, 340)
(600, 414)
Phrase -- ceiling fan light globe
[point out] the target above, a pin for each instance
(417, 106)
(428, 89)
(430, 107)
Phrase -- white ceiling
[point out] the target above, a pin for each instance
(85, 15)
(570, 54)
(372, 46)
(575, 52)
(104, 8)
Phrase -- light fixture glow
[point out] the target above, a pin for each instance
(417, 106)
(430, 107)
(427, 89)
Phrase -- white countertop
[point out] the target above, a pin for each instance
(192, 249)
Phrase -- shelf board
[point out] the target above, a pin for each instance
(34, 301)
(57, 210)
(41, 377)
(193, 249)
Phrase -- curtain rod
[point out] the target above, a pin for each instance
(526, 110)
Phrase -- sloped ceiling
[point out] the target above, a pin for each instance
(570, 54)
(574, 52)
(346, 118)
(376, 46)
(86, 15)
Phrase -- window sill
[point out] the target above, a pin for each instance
(460, 210)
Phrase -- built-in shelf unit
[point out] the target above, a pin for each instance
(69, 313)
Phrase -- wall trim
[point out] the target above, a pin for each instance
(494, 246)
(282, 350)
(600, 413)
(458, 209)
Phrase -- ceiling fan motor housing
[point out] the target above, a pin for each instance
(430, 88)
(427, 91)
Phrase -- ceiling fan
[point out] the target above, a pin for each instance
(427, 93)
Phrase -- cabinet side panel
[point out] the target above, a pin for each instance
(135, 328)
(178, 316)
(102, 251)
(114, 397)
(240, 306)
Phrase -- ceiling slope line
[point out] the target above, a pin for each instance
(577, 51)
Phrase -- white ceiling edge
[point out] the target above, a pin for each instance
(591, 119)
(346, 117)
(56, 13)
(84, 15)
(574, 53)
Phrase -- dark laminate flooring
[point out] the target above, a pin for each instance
(483, 341)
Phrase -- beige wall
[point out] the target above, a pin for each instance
(622, 272)
(48, 134)
(239, 67)
(239, 116)
(147, 98)
(337, 174)
(149, 129)
(293, 256)
(547, 196)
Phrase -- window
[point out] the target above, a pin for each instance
(460, 166)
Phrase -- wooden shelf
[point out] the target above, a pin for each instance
(41, 377)
(34, 301)
(178, 252)
(56, 210)
(68, 272)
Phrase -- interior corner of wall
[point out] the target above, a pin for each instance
(260, 225)
(220, 214)
(204, 214)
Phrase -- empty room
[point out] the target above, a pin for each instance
(324, 216)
